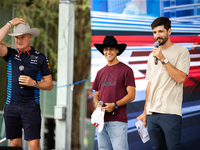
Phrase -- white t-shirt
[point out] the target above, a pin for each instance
(166, 94)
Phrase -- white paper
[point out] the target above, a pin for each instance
(142, 131)
(97, 118)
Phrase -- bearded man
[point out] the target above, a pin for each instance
(164, 94)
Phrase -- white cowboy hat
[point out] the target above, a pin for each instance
(24, 29)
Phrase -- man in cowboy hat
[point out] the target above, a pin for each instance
(25, 66)
(115, 86)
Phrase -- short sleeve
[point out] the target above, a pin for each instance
(148, 70)
(183, 63)
(7, 56)
(129, 79)
(45, 66)
(95, 84)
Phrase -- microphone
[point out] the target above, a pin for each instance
(156, 45)
(103, 105)
(21, 69)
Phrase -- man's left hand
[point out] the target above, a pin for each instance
(26, 80)
(109, 107)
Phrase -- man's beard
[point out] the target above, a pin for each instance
(164, 40)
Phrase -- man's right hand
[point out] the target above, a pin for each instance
(3, 32)
(97, 105)
(17, 21)
(143, 117)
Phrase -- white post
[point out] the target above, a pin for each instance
(65, 75)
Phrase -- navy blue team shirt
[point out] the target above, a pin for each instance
(35, 65)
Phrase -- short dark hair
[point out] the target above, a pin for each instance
(161, 21)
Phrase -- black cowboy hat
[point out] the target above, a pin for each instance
(110, 41)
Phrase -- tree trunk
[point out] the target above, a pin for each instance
(82, 60)
(76, 113)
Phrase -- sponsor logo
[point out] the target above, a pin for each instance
(48, 68)
(34, 59)
(17, 57)
(37, 52)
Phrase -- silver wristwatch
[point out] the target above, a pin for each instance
(36, 84)
(165, 61)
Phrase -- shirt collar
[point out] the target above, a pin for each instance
(32, 51)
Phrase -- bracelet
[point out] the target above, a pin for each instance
(8, 23)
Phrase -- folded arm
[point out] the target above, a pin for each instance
(175, 73)
(125, 100)
(47, 84)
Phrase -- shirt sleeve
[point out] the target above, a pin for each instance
(184, 61)
(95, 84)
(45, 66)
(130, 79)
(148, 71)
(7, 56)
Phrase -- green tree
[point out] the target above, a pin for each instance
(82, 60)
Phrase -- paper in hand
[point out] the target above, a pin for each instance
(142, 131)
(97, 118)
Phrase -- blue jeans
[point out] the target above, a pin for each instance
(164, 131)
(113, 136)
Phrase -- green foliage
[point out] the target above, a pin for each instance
(82, 59)
(82, 30)
(41, 14)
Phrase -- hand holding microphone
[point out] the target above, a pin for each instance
(21, 69)
(156, 45)
(103, 105)
(25, 80)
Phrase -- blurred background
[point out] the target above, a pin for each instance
(129, 21)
